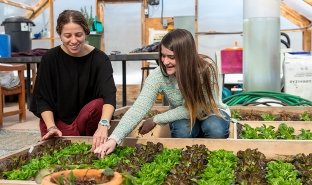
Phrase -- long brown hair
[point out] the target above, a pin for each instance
(196, 74)
(74, 16)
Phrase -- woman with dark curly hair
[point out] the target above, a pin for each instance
(75, 93)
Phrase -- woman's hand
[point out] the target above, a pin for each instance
(99, 137)
(106, 148)
(147, 126)
(52, 132)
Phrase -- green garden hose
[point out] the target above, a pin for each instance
(247, 98)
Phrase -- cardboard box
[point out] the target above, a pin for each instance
(298, 74)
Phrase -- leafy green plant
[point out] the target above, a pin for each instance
(193, 162)
(34, 165)
(268, 117)
(285, 132)
(220, 168)
(266, 132)
(141, 155)
(304, 135)
(303, 164)
(236, 114)
(110, 161)
(15, 162)
(305, 116)
(155, 172)
(62, 180)
(250, 167)
(72, 179)
(88, 15)
(280, 173)
(248, 132)
(154, 164)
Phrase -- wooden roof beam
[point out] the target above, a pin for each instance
(301, 22)
(293, 16)
(307, 40)
(308, 1)
(100, 15)
(38, 9)
(16, 4)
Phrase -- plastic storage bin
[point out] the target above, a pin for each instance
(19, 28)
(231, 60)
(95, 40)
(5, 46)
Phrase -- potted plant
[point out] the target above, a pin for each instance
(88, 16)
(94, 38)
(83, 176)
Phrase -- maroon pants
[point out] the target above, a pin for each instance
(85, 124)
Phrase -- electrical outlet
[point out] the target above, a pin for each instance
(146, 11)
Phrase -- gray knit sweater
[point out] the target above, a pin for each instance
(156, 82)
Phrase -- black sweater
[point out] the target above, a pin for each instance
(65, 83)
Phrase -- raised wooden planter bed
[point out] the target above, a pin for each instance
(286, 113)
(121, 111)
(272, 149)
(291, 112)
(158, 131)
(289, 115)
(297, 125)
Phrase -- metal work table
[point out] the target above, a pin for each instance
(130, 57)
(118, 57)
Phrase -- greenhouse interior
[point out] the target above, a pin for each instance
(156, 92)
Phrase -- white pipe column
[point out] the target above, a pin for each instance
(261, 54)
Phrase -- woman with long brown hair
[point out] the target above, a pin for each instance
(189, 82)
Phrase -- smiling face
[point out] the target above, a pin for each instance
(73, 38)
(168, 59)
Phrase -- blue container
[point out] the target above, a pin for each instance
(5, 46)
(307, 53)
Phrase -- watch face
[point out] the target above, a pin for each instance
(104, 122)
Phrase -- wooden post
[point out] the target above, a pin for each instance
(100, 15)
(196, 22)
(51, 3)
(144, 35)
(307, 41)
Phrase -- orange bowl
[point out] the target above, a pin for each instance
(85, 174)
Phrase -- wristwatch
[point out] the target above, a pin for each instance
(104, 122)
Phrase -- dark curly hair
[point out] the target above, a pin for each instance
(74, 16)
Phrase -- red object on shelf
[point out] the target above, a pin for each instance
(231, 60)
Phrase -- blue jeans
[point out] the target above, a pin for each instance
(212, 127)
